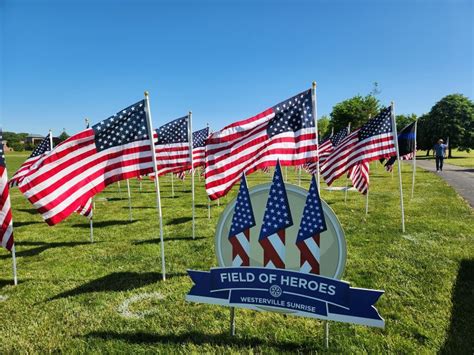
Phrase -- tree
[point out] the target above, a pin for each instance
(404, 120)
(63, 136)
(424, 134)
(453, 117)
(323, 125)
(355, 111)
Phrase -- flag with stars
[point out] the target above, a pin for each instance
(276, 219)
(242, 220)
(63, 180)
(42, 148)
(309, 234)
(326, 147)
(374, 140)
(6, 224)
(199, 147)
(172, 147)
(285, 132)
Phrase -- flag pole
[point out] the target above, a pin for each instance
(208, 199)
(315, 113)
(15, 278)
(91, 222)
(367, 202)
(51, 140)
(395, 138)
(414, 162)
(190, 139)
(286, 174)
(299, 175)
(129, 201)
(157, 183)
(119, 189)
(347, 178)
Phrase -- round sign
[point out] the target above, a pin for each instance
(332, 241)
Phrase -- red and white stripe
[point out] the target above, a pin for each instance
(359, 175)
(351, 152)
(310, 255)
(75, 171)
(23, 170)
(6, 223)
(244, 146)
(199, 157)
(172, 158)
(241, 248)
(274, 250)
(86, 209)
(408, 156)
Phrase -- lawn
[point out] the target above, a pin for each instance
(459, 158)
(71, 292)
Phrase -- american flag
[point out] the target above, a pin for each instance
(359, 175)
(312, 225)
(172, 148)
(42, 148)
(285, 131)
(276, 219)
(86, 209)
(326, 147)
(6, 223)
(242, 220)
(115, 149)
(374, 140)
(199, 147)
(406, 145)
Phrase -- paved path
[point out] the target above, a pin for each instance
(461, 178)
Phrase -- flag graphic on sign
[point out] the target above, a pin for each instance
(6, 224)
(285, 132)
(276, 219)
(172, 147)
(42, 148)
(309, 234)
(199, 147)
(242, 220)
(326, 147)
(374, 140)
(115, 149)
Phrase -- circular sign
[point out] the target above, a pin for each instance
(332, 241)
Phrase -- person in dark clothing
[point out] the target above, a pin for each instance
(439, 151)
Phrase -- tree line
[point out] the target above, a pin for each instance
(17, 141)
(451, 117)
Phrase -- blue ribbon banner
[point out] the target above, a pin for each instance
(297, 293)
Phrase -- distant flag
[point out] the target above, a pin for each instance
(312, 225)
(326, 148)
(374, 140)
(242, 220)
(199, 147)
(172, 147)
(6, 224)
(42, 148)
(359, 175)
(406, 145)
(115, 149)
(276, 219)
(86, 209)
(285, 132)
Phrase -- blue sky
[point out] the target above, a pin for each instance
(64, 60)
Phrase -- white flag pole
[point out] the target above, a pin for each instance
(91, 222)
(347, 178)
(140, 184)
(208, 199)
(119, 189)
(367, 202)
(15, 278)
(414, 163)
(172, 185)
(395, 138)
(129, 201)
(286, 174)
(299, 175)
(315, 113)
(157, 183)
(190, 139)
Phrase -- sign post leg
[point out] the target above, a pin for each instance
(232, 321)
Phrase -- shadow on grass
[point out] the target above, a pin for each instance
(157, 240)
(117, 281)
(6, 282)
(140, 207)
(179, 220)
(27, 210)
(25, 223)
(198, 338)
(116, 198)
(460, 339)
(41, 247)
(102, 224)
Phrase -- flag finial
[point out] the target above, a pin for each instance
(314, 85)
(146, 93)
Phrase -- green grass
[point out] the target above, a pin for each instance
(70, 290)
(459, 158)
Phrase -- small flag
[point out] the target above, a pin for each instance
(285, 132)
(199, 147)
(312, 225)
(359, 175)
(42, 148)
(326, 148)
(242, 220)
(6, 224)
(86, 209)
(276, 219)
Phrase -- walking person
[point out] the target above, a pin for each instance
(439, 151)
